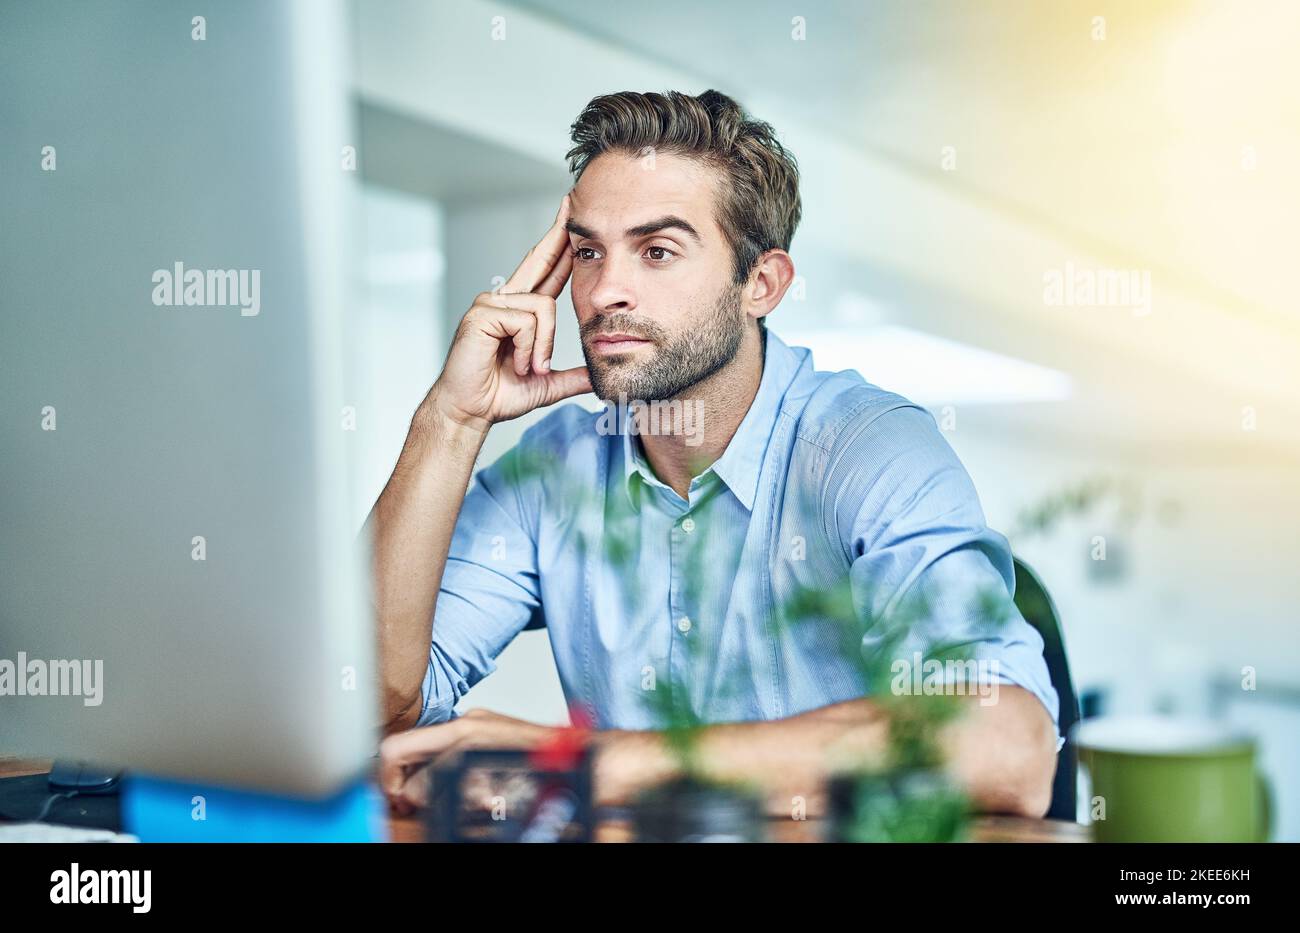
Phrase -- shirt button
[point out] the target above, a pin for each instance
(683, 625)
(688, 525)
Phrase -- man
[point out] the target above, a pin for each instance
(675, 236)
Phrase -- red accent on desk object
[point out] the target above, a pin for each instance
(563, 747)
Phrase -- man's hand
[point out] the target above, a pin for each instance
(403, 775)
(499, 365)
(498, 368)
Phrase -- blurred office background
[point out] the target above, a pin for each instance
(954, 158)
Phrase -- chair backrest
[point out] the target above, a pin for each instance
(1039, 611)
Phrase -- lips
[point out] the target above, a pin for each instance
(617, 343)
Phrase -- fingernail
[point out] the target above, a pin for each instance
(546, 365)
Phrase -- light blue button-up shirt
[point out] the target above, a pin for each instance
(827, 479)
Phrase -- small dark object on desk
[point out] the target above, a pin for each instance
(26, 797)
(83, 778)
(505, 796)
(689, 810)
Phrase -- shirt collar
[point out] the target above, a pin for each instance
(742, 461)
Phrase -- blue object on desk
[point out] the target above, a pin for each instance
(158, 810)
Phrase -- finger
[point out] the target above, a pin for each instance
(523, 332)
(544, 344)
(542, 257)
(398, 752)
(399, 802)
(543, 309)
(520, 326)
(414, 794)
(550, 289)
(399, 807)
(566, 383)
(553, 284)
(392, 770)
(392, 778)
(515, 301)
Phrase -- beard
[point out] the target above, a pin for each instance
(676, 362)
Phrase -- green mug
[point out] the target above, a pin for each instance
(1167, 779)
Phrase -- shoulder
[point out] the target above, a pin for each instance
(841, 411)
(879, 455)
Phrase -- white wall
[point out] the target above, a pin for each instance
(398, 327)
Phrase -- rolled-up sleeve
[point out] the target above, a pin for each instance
(490, 590)
(911, 519)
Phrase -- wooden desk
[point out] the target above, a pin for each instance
(21, 767)
(986, 828)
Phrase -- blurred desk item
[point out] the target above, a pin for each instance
(1024, 829)
(984, 829)
(56, 833)
(25, 795)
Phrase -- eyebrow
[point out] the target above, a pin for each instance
(640, 230)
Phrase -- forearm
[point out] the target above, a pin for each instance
(1002, 755)
(410, 528)
(782, 758)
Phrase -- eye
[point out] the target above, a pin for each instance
(658, 254)
(581, 254)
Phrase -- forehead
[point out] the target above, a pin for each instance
(618, 190)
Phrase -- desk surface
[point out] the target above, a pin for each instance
(985, 828)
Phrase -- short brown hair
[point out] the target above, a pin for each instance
(759, 196)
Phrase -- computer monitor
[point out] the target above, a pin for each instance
(177, 197)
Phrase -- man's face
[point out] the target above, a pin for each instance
(666, 287)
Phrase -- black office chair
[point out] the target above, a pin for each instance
(1039, 611)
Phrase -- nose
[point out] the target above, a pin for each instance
(613, 288)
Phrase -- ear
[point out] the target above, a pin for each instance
(768, 282)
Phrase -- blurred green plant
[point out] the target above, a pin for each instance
(1042, 517)
(875, 647)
